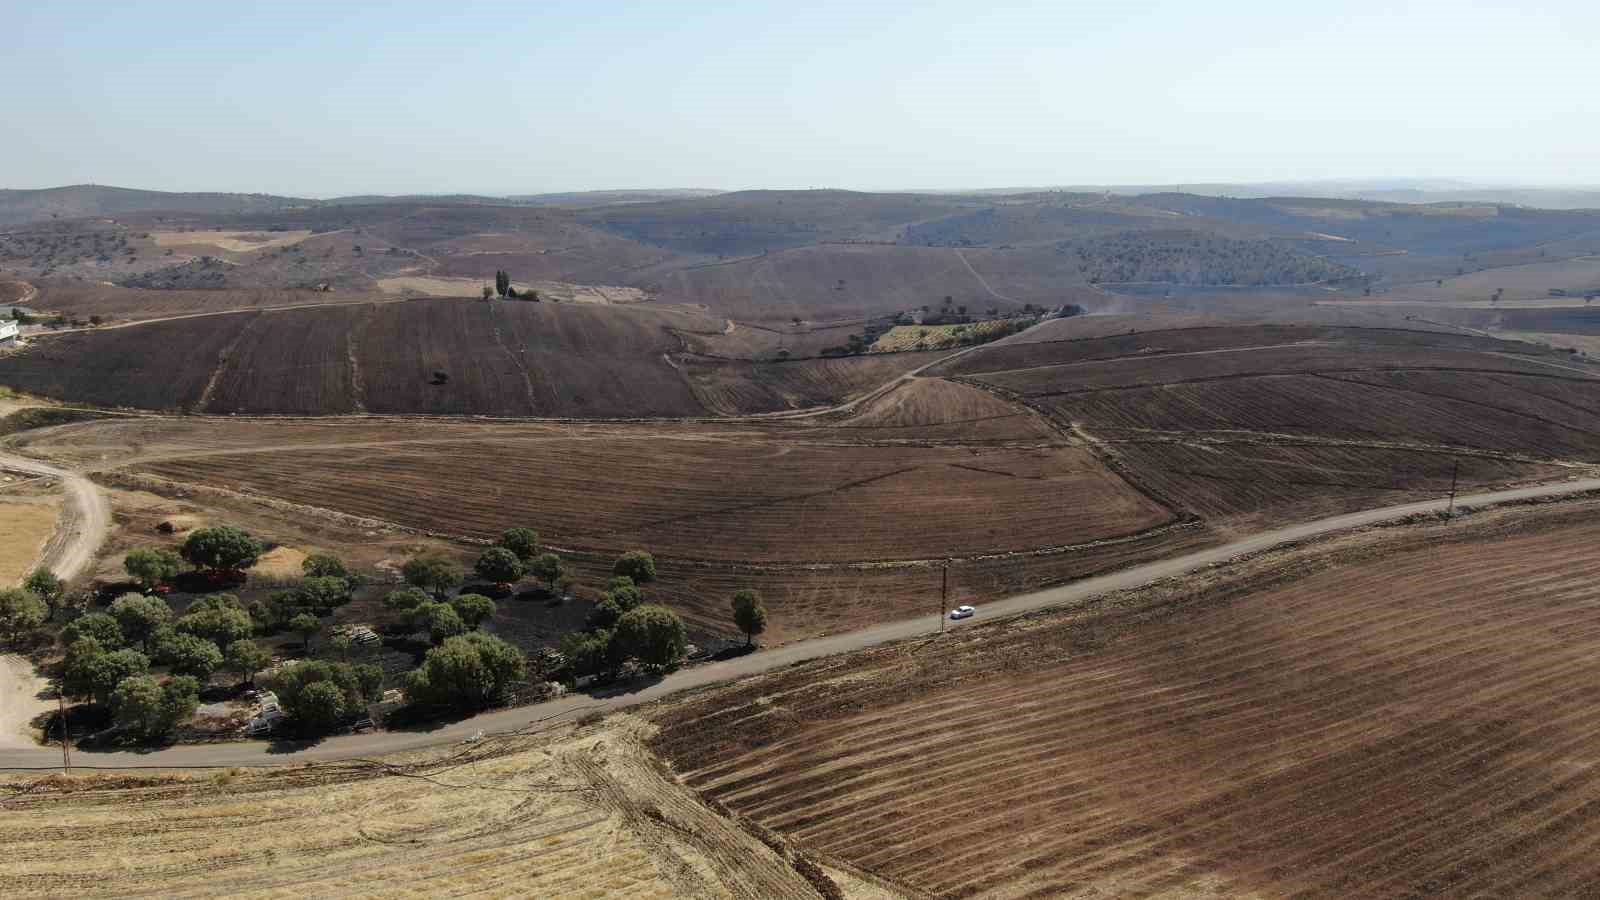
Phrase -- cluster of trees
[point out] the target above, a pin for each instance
(1196, 258)
(622, 627)
(502, 288)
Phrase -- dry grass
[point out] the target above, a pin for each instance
(561, 291)
(231, 241)
(26, 523)
(934, 337)
(581, 813)
(280, 562)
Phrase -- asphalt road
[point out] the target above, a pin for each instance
(345, 747)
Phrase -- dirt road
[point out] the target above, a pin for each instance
(260, 754)
(84, 517)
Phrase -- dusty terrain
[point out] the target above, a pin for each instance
(27, 520)
(577, 812)
(1402, 712)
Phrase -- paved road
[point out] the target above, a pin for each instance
(257, 754)
(84, 517)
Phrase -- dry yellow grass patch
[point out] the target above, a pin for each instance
(563, 291)
(26, 524)
(933, 337)
(280, 562)
(585, 812)
(231, 241)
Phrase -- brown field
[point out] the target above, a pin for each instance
(578, 813)
(82, 299)
(728, 388)
(231, 241)
(933, 409)
(1407, 718)
(734, 498)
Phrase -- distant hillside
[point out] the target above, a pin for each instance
(80, 200)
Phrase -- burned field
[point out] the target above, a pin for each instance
(1246, 426)
(1396, 715)
(433, 357)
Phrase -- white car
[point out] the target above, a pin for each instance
(963, 612)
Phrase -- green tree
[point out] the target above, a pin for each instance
(319, 707)
(322, 594)
(587, 652)
(406, 599)
(465, 672)
(498, 564)
(44, 584)
(432, 573)
(548, 567)
(473, 608)
(524, 542)
(605, 614)
(624, 592)
(750, 614)
(324, 565)
(339, 643)
(305, 625)
(152, 566)
(187, 654)
(97, 625)
(636, 564)
(292, 683)
(140, 617)
(79, 666)
(487, 292)
(369, 681)
(652, 634)
(21, 612)
(221, 548)
(502, 282)
(150, 709)
(221, 626)
(440, 620)
(245, 658)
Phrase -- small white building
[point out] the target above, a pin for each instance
(8, 332)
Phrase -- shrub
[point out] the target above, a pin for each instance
(524, 542)
(498, 564)
(465, 672)
(152, 566)
(636, 564)
(433, 573)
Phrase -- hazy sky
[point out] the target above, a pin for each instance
(344, 97)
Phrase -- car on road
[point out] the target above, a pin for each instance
(963, 612)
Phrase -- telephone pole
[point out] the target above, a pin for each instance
(66, 756)
(1455, 470)
(944, 596)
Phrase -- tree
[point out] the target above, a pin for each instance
(246, 658)
(750, 614)
(221, 626)
(498, 564)
(187, 654)
(605, 614)
(152, 566)
(502, 282)
(222, 548)
(586, 651)
(322, 594)
(548, 567)
(524, 542)
(465, 672)
(487, 292)
(369, 681)
(439, 620)
(45, 585)
(340, 643)
(434, 573)
(324, 565)
(312, 713)
(473, 608)
(99, 626)
(405, 600)
(140, 616)
(305, 625)
(150, 709)
(652, 634)
(320, 706)
(79, 667)
(636, 564)
(21, 612)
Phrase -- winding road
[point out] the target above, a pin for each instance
(84, 517)
(508, 720)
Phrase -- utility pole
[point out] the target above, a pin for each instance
(944, 596)
(66, 756)
(1455, 470)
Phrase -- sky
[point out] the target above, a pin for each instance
(324, 99)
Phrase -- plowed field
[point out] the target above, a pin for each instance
(1416, 723)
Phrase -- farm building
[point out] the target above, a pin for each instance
(8, 333)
